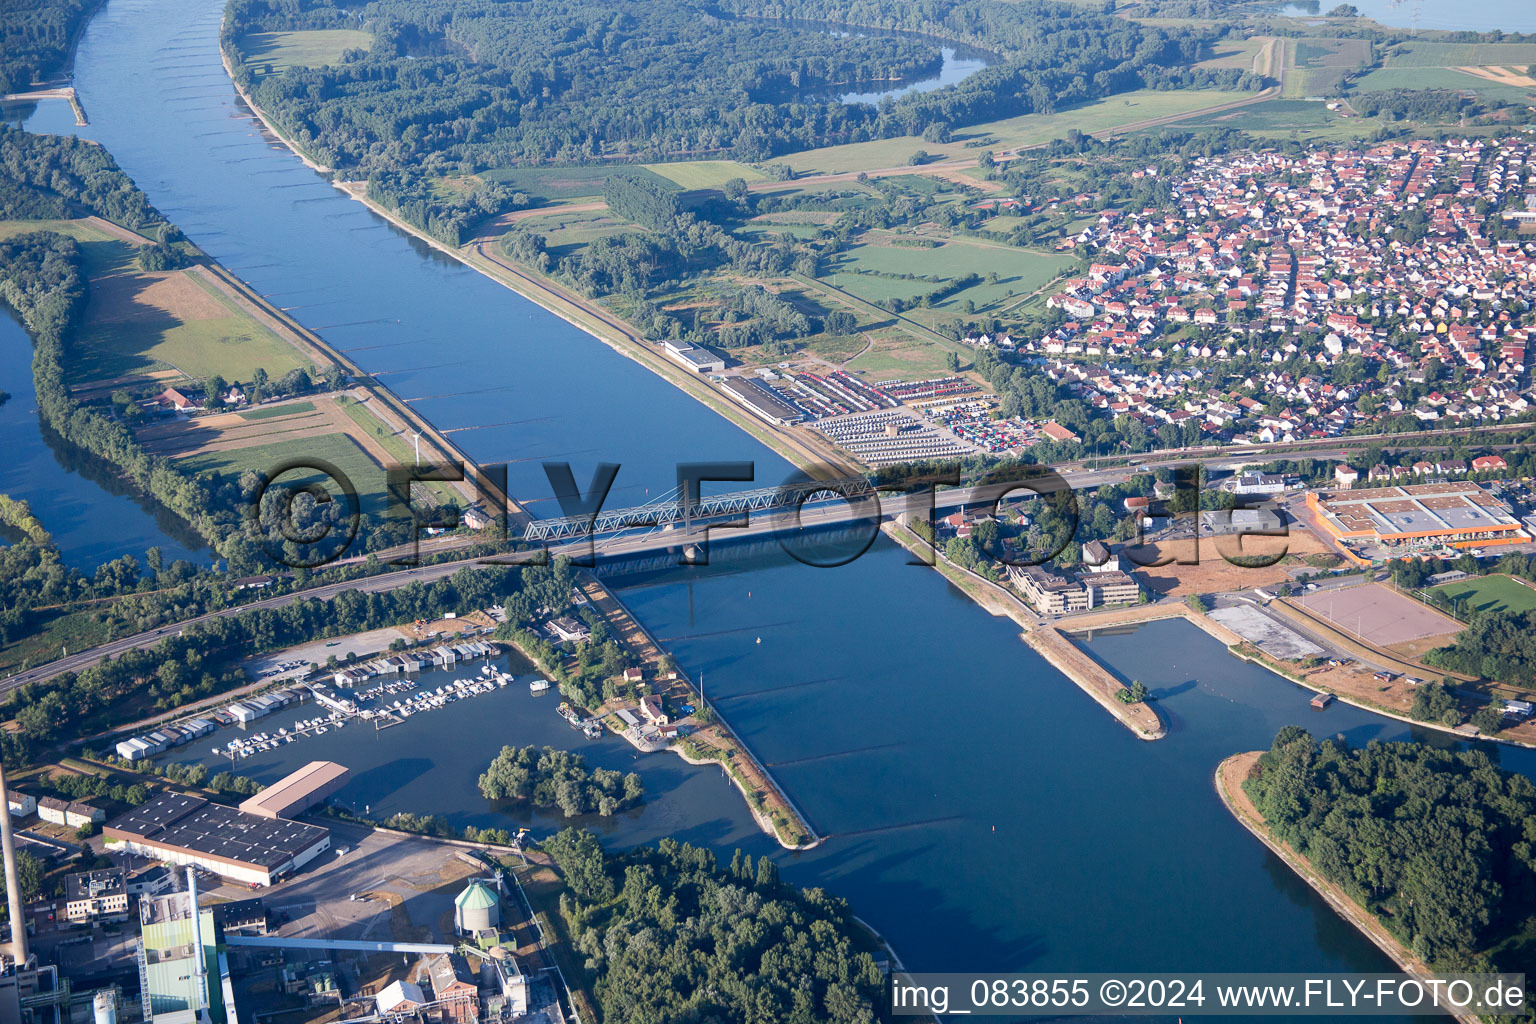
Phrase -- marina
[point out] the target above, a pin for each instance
(371, 705)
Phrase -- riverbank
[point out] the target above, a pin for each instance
(1229, 779)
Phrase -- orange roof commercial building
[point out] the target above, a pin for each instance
(1457, 515)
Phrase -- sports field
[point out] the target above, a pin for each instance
(1490, 594)
(1378, 614)
(275, 52)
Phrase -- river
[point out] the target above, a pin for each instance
(981, 811)
(1469, 16)
(93, 515)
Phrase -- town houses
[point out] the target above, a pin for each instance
(1284, 296)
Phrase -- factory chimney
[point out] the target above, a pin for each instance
(199, 958)
(12, 879)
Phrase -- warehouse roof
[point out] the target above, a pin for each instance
(192, 823)
(299, 789)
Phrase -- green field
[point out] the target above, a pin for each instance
(276, 52)
(1491, 594)
(564, 232)
(337, 449)
(896, 354)
(1115, 112)
(102, 253)
(1319, 66)
(398, 448)
(136, 323)
(1305, 119)
(1018, 271)
(704, 173)
(552, 183)
(1234, 53)
(1458, 55)
(194, 330)
(274, 411)
(1388, 78)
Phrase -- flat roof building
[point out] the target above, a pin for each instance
(183, 829)
(1460, 514)
(763, 401)
(298, 792)
(96, 896)
(699, 360)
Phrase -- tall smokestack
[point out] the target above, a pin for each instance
(12, 879)
(199, 959)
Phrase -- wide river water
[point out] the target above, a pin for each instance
(980, 811)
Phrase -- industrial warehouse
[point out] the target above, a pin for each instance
(1456, 515)
(182, 829)
(291, 796)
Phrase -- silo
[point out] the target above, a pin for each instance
(477, 909)
(104, 1006)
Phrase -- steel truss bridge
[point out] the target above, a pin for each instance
(672, 508)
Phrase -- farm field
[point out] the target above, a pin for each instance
(276, 52)
(704, 173)
(102, 253)
(339, 450)
(552, 183)
(564, 231)
(138, 323)
(897, 354)
(1234, 53)
(1455, 55)
(1011, 133)
(1318, 66)
(1019, 272)
(1387, 78)
(1490, 594)
(1301, 119)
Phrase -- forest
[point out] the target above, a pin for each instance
(1436, 843)
(1496, 645)
(559, 779)
(475, 85)
(36, 37)
(670, 936)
